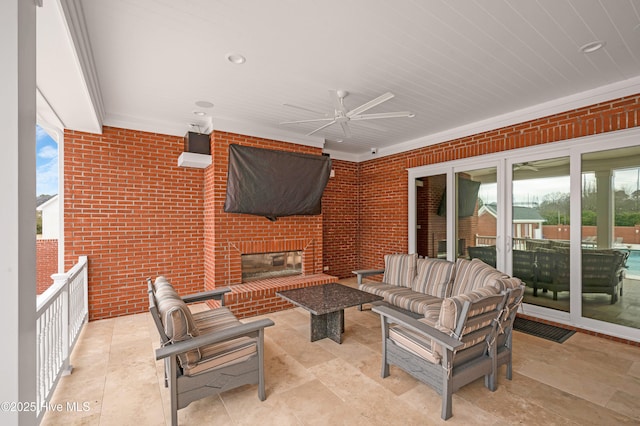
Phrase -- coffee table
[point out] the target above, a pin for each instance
(326, 304)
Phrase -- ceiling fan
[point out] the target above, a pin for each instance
(525, 166)
(343, 116)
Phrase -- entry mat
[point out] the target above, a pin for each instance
(546, 331)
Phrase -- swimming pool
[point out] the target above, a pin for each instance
(633, 263)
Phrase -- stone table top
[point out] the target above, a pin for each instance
(326, 298)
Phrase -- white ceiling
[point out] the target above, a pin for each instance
(461, 66)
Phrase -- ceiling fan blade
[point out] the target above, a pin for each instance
(337, 103)
(399, 114)
(313, 120)
(305, 109)
(374, 102)
(322, 127)
(345, 129)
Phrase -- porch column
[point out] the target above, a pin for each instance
(17, 214)
(604, 207)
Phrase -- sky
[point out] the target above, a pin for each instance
(46, 163)
(529, 190)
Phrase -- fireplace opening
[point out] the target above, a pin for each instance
(258, 266)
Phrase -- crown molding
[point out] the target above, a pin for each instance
(75, 23)
(567, 103)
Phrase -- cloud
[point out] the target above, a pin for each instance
(48, 152)
(47, 178)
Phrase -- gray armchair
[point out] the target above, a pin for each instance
(461, 350)
(205, 353)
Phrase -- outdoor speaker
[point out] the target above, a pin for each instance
(197, 143)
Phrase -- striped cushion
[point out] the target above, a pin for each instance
(160, 282)
(510, 283)
(379, 289)
(473, 274)
(402, 297)
(415, 343)
(178, 322)
(408, 299)
(433, 277)
(223, 353)
(452, 308)
(432, 313)
(399, 269)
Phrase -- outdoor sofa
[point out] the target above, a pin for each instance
(447, 324)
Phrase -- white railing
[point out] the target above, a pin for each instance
(62, 310)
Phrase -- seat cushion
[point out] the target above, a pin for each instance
(474, 274)
(415, 343)
(433, 277)
(223, 353)
(402, 297)
(399, 269)
(413, 301)
(432, 313)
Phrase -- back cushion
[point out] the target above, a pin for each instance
(178, 321)
(474, 274)
(400, 269)
(510, 283)
(433, 277)
(451, 308)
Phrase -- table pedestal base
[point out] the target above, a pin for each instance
(329, 325)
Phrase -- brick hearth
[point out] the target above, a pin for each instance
(259, 297)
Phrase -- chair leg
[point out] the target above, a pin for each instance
(491, 379)
(173, 388)
(447, 396)
(385, 333)
(261, 393)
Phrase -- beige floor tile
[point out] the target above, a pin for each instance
(586, 380)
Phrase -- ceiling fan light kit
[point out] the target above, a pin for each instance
(343, 116)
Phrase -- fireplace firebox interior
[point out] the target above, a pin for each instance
(257, 266)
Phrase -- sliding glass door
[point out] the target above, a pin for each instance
(563, 217)
(540, 250)
(611, 236)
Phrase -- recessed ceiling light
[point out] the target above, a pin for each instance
(204, 104)
(236, 58)
(339, 140)
(199, 113)
(592, 47)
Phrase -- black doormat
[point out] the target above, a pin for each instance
(546, 331)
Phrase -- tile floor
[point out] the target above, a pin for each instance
(586, 380)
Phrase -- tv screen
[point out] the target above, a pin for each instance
(273, 183)
(467, 198)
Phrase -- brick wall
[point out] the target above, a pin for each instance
(383, 181)
(383, 210)
(340, 210)
(229, 235)
(134, 213)
(46, 263)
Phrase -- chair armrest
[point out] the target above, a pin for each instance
(211, 338)
(366, 272)
(217, 294)
(413, 324)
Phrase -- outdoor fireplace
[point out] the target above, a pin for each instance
(257, 266)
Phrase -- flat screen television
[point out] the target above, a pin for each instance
(273, 183)
(467, 198)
